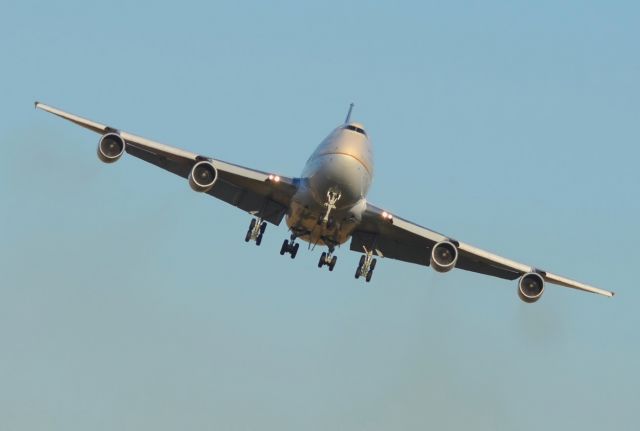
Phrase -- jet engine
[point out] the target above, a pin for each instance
(111, 147)
(203, 176)
(444, 256)
(530, 287)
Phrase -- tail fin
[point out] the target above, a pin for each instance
(346, 120)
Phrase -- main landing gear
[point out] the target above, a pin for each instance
(256, 230)
(290, 247)
(328, 259)
(366, 266)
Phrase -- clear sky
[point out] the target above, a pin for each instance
(129, 302)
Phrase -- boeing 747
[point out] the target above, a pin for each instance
(325, 206)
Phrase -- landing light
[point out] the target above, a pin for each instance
(387, 216)
(274, 178)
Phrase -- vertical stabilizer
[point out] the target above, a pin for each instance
(346, 120)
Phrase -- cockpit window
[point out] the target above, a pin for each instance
(355, 129)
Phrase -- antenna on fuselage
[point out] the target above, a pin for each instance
(346, 120)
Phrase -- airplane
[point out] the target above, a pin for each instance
(326, 206)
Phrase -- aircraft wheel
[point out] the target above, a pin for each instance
(333, 263)
(294, 250)
(369, 275)
(259, 239)
(321, 262)
(373, 264)
(247, 237)
(285, 246)
(263, 227)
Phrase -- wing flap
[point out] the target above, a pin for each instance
(410, 250)
(469, 262)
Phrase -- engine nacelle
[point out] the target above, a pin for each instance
(530, 287)
(203, 176)
(444, 256)
(111, 147)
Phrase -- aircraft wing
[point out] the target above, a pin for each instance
(256, 192)
(396, 238)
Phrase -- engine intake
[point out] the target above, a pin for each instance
(530, 287)
(203, 176)
(111, 147)
(444, 256)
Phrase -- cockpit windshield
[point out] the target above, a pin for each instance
(355, 129)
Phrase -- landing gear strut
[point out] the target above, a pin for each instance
(256, 230)
(366, 266)
(328, 259)
(333, 196)
(290, 247)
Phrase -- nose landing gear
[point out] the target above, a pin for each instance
(333, 196)
(256, 230)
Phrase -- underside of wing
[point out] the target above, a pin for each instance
(259, 193)
(393, 237)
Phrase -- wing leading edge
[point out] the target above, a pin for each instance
(248, 189)
(400, 239)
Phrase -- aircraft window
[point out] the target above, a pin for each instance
(356, 129)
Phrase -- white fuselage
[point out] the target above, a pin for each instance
(341, 166)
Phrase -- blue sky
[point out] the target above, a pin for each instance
(129, 302)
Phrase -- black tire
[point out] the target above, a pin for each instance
(247, 237)
(323, 256)
(252, 224)
(263, 227)
(259, 239)
(285, 246)
(333, 263)
(361, 264)
(369, 275)
(294, 250)
(358, 271)
(373, 264)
